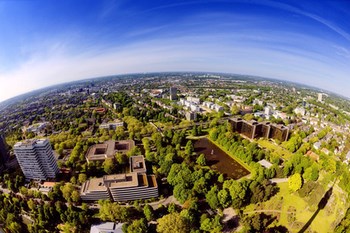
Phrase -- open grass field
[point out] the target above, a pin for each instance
(271, 146)
(293, 211)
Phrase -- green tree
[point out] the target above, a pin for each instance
(237, 191)
(189, 149)
(214, 123)
(311, 173)
(224, 198)
(146, 144)
(201, 160)
(248, 117)
(194, 131)
(75, 196)
(212, 197)
(235, 110)
(121, 158)
(112, 211)
(14, 227)
(295, 182)
(67, 190)
(138, 226)
(148, 212)
(120, 132)
(212, 225)
(108, 166)
(73, 180)
(213, 134)
(221, 178)
(31, 204)
(173, 223)
(82, 178)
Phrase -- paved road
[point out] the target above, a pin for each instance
(268, 211)
(279, 180)
(165, 201)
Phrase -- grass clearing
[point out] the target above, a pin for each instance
(294, 212)
(279, 150)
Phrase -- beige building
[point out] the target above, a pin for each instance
(108, 149)
(131, 186)
(94, 189)
(112, 125)
(137, 164)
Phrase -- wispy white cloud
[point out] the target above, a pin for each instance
(178, 54)
(202, 41)
(315, 17)
(109, 7)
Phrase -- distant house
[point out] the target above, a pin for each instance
(112, 125)
(38, 128)
(300, 111)
(98, 110)
(46, 187)
(312, 155)
(191, 116)
(348, 156)
(325, 150)
(317, 145)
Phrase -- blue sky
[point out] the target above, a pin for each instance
(49, 42)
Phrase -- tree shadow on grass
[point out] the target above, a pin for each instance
(321, 205)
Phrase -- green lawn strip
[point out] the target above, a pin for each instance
(323, 221)
(191, 137)
(232, 156)
(272, 147)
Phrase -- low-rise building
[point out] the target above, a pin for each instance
(112, 125)
(46, 187)
(107, 227)
(218, 108)
(108, 149)
(137, 164)
(120, 187)
(94, 189)
(300, 111)
(193, 100)
(191, 116)
(317, 145)
(131, 186)
(38, 128)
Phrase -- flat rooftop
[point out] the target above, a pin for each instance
(108, 149)
(30, 142)
(121, 180)
(137, 164)
(94, 184)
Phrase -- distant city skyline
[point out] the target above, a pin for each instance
(43, 44)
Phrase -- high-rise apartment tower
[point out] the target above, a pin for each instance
(36, 159)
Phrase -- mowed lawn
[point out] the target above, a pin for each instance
(293, 212)
(271, 146)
